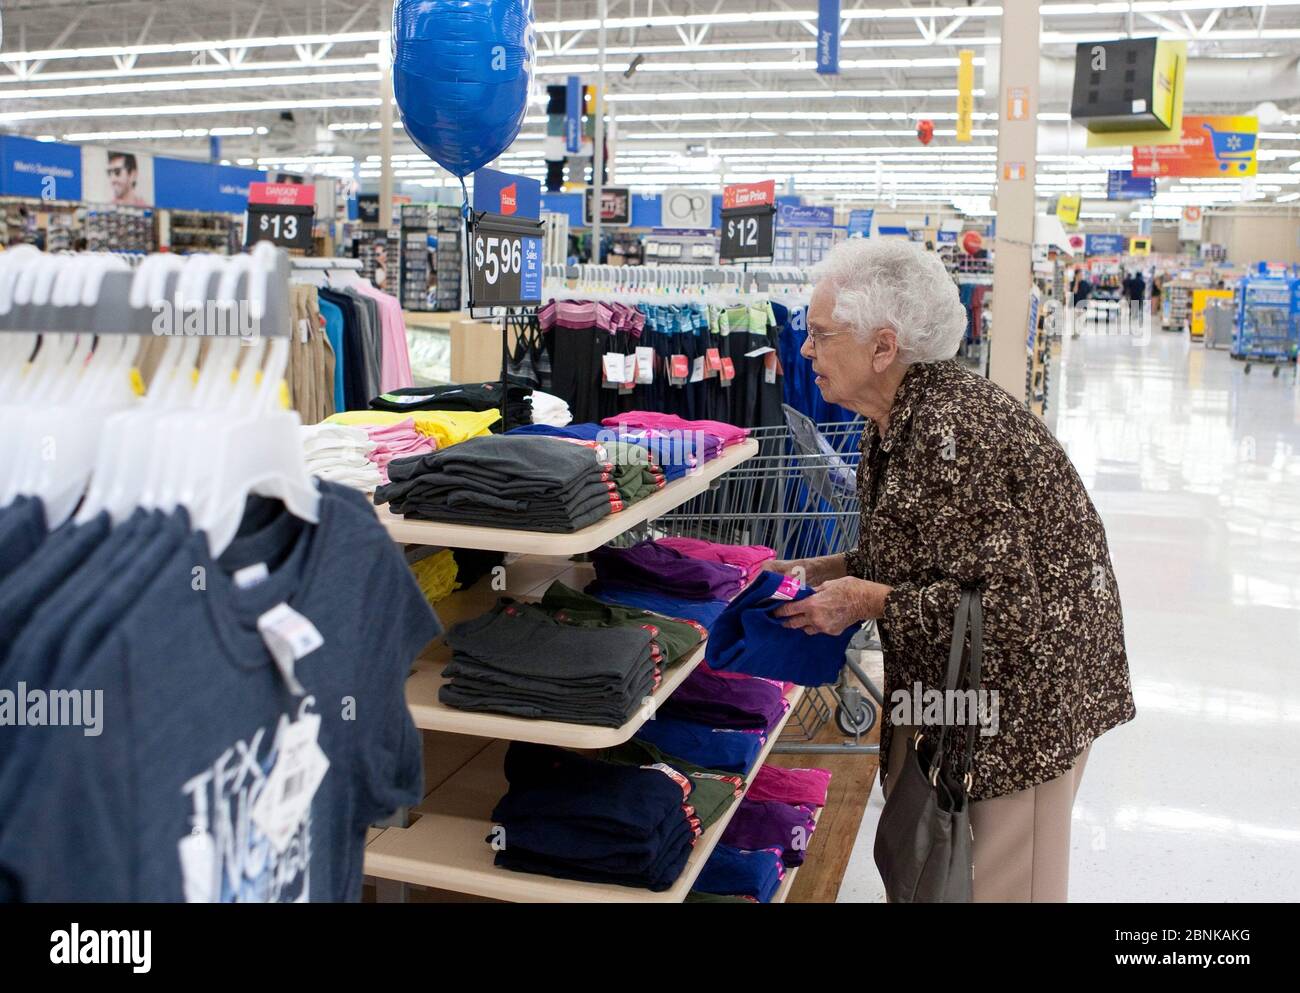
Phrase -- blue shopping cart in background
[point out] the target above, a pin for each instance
(1232, 148)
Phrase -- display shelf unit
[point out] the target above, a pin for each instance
(416, 222)
(787, 884)
(448, 258)
(445, 849)
(576, 542)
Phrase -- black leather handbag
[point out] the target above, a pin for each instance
(924, 841)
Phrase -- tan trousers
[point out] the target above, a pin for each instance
(1022, 840)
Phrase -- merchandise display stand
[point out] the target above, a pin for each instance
(444, 845)
(671, 496)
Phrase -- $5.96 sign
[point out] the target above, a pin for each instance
(281, 213)
(497, 256)
(505, 262)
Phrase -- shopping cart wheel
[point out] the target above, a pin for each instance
(1276, 369)
(856, 722)
(1247, 369)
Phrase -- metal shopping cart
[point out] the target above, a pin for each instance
(1232, 148)
(798, 495)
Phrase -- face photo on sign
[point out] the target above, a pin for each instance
(117, 177)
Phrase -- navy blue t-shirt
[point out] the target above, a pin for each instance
(195, 714)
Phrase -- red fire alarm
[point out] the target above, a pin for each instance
(924, 131)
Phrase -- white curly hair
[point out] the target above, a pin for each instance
(896, 284)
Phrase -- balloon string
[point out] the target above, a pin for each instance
(464, 203)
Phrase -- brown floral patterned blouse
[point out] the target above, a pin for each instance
(969, 489)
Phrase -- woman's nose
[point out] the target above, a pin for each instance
(807, 350)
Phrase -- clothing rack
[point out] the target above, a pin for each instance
(115, 312)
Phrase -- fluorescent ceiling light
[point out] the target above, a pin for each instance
(208, 68)
(189, 47)
(178, 85)
(252, 106)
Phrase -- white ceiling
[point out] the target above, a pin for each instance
(735, 76)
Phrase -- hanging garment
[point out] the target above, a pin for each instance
(169, 785)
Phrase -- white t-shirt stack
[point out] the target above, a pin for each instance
(550, 409)
(340, 453)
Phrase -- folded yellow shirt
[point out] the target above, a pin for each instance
(436, 575)
(446, 426)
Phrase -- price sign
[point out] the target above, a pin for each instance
(281, 213)
(505, 261)
(747, 233)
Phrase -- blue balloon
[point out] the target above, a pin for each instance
(461, 74)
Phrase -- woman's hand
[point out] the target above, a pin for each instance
(837, 605)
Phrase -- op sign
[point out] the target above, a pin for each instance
(281, 213)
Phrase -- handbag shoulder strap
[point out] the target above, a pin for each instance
(976, 665)
(956, 652)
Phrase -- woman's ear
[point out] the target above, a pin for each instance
(884, 349)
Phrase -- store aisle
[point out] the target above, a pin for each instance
(1195, 468)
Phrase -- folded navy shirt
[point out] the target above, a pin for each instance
(747, 637)
(716, 748)
(734, 872)
(703, 612)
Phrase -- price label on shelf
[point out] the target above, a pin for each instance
(747, 233)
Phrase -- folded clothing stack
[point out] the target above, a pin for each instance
(715, 790)
(736, 872)
(505, 481)
(673, 455)
(446, 427)
(549, 409)
(703, 612)
(732, 749)
(727, 434)
(671, 640)
(768, 824)
(635, 473)
(652, 567)
(516, 659)
(748, 558)
(749, 638)
(806, 786)
(460, 397)
(340, 454)
(707, 698)
(573, 817)
(397, 441)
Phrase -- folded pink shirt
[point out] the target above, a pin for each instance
(750, 558)
(728, 434)
(790, 785)
(396, 441)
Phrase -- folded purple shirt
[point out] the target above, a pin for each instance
(770, 824)
(724, 702)
(648, 565)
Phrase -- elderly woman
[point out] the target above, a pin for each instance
(962, 487)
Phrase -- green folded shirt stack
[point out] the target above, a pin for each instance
(676, 639)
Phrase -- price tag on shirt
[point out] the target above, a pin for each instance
(615, 371)
(289, 636)
(645, 365)
(304, 330)
(714, 362)
(681, 368)
(628, 382)
(250, 576)
(728, 370)
(697, 370)
(286, 796)
(771, 366)
(759, 351)
(198, 854)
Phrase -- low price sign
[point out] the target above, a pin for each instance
(505, 239)
(281, 213)
(748, 212)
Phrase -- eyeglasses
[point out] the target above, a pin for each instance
(817, 336)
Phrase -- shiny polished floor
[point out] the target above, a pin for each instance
(1195, 468)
